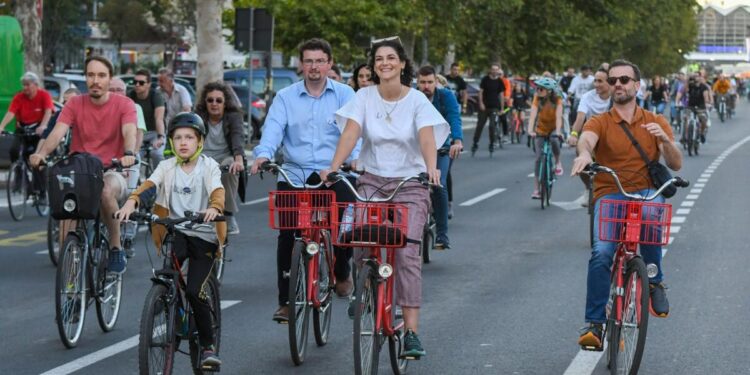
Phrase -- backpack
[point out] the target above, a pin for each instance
(75, 186)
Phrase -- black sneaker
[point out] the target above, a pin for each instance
(591, 337)
(412, 346)
(442, 243)
(658, 303)
(474, 148)
(209, 358)
(703, 138)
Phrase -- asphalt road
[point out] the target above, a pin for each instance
(508, 298)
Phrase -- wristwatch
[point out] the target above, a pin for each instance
(128, 153)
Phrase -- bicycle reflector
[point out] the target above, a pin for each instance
(312, 248)
(385, 270)
(69, 205)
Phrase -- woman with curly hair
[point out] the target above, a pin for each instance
(224, 140)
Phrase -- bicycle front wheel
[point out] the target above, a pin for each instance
(299, 311)
(427, 240)
(366, 339)
(396, 347)
(70, 286)
(632, 335)
(108, 290)
(213, 299)
(219, 263)
(156, 344)
(18, 190)
(690, 137)
(322, 315)
(53, 239)
(543, 172)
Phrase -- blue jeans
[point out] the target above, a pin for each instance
(600, 265)
(658, 107)
(440, 197)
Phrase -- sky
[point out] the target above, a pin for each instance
(724, 3)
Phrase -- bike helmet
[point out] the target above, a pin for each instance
(546, 83)
(187, 120)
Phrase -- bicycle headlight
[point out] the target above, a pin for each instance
(69, 205)
(385, 270)
(312, 248)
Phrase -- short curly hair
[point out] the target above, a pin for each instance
(407, 74)
(229, 99)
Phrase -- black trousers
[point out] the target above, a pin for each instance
(201, 254)
(483, 116)
(285, 245)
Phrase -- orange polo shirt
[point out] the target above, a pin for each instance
(614, 150)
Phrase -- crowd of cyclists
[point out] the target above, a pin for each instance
(392, 121)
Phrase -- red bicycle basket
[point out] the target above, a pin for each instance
(381, 225)
(300, 209)
(646, 223)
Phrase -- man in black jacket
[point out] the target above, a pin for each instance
(224, 141)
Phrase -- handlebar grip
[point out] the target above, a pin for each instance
(679, 182)
(333, 177)
(346, 167)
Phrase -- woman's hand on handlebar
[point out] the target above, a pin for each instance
(123, 214)
(210, 214)
(255, 168)
(434, 175)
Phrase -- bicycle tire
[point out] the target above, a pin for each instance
(326, 284)
(156, 356)
(17, 197)
(542, 183)
(299, 311)
(53, 239)
(689, 138)
(632, 334)
(550, 181)
(367, 349)
(214, 301)
(71, 273)
(220, 263)
(612, 332)
(396, 348)
(427, 237)
(108, 290)
(591, 218)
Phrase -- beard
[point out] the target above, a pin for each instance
(623, 98)
(96, 95)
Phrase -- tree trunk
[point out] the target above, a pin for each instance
(425, 43)
(450, 58)
(31, 26)
(408, 40)
(209, 40)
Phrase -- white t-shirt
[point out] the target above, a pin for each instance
(392, 149)
(189, 193)
(592, 104)
(580, 85)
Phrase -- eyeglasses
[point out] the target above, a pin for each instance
(388, 39)
(623, 80)
(139, 82)
(318, 62)
(215, 100)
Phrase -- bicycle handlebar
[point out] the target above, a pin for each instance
(422, 178)
(270, 166)
(193, 217)
(594, 168)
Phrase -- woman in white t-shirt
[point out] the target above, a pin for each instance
(400, 131)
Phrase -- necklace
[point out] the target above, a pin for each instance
(385, 105)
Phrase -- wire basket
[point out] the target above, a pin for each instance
(646, 223)
(364, 224)
(300, 209)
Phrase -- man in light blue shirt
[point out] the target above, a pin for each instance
(302, 118)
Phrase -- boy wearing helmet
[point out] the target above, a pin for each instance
(188, 182)
(546, 118)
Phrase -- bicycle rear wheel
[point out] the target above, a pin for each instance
(322, 315)
(70, 287)
(108, 289)
(396, 347)
(299, 311)
(366, 340)
(18, 190)
(213, 299)
(428, 237)
(157, 341)
(543, 182)
(53, 239)
(632, 333)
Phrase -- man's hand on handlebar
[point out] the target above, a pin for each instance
(127, 161)
(456, 149)
(580, 163)
(36, 160)
(123, 214)
(255, 168)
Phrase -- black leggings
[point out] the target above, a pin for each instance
(201, 254)
(285, 244)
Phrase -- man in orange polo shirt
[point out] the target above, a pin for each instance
(604, 139)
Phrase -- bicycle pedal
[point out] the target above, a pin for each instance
(210, 368)
(592, 348)
(410, 357)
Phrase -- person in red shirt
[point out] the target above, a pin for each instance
(30, 107)
(103, 125)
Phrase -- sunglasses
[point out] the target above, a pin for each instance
(215, 100)
(139, 83)
(392, 38)
(623, 80)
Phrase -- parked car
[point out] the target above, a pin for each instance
(282, 77)
(56, 86)
(189, 85)
(257, 112)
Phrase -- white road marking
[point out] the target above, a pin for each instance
(41, 252)
(701, 185)
(109, 351)
(706, 175)
(696, 191)
(671, 239)
(531, 174)
(572, 205)
(249, 203)
(585, 362)
(683, 211)
(482, 197)
(687, 204)
(692, 196)
(675, 229)
(678, 219)
(703, 180)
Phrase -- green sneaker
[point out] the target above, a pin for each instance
(412, 346)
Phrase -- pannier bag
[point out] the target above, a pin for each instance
(75, 186)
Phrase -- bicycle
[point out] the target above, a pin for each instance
(546, 171)
(630, 223)
(311, 277)
(722, 107)
(691, 136)
(21, 180)
(167, 317)
(518, 127)
(497, 125)
(82, 279)
(429, 234)
(376, 225)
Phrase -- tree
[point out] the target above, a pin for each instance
(62, 27)
(170, 21)
(27, 13)
(124, 21)
(210, 52)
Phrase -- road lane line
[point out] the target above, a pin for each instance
(585, 362)
(678, 219)
(482, 197)
(691, 197)
(701, 185)
(683, 211)
(696, 191)
(109, 351)
(261, 200)
(687, 203)
(41, 252)
(703, 180)
(675, 229)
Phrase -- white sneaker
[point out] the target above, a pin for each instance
(232, 227)
(584, 199)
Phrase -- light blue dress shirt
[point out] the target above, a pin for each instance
(306, 126)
